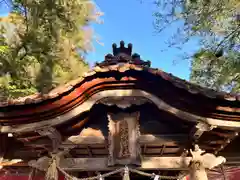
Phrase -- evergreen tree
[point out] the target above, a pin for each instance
(217, 24)
(219, 73)
(41, 44)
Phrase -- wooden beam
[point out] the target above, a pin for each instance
(148, 163)
(84, 140)
(98, 164)
(148, 139)
(10, 162)
(233, 161)
(167, 139)
(224, 135)
(118, 93)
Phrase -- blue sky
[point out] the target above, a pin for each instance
(132, 21)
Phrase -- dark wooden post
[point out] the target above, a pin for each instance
(3, 146)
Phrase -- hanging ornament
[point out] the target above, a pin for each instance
(126, 174)
(52, 172)
(156, 177)
(100, 177)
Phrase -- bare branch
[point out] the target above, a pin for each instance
(227, 37)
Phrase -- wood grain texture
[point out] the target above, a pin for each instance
(86, 106)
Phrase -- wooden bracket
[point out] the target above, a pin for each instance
(199, 129)
(53, 134)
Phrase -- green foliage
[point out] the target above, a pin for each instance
(217, 24)
(40, 44)
(221, 73)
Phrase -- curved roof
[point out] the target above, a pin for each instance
(85, 102)
(121, 73)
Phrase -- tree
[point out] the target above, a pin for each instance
(217, 24)
(219, 73)
(41, 43)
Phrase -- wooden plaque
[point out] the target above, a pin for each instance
(124, 147)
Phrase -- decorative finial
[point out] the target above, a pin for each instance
(130, 45)
(126, 174)
(122, 49)
(114, 45)
(135, 55)
(122, 44)
(123, 54)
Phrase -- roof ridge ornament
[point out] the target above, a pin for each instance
(123, 54)
(122, 49)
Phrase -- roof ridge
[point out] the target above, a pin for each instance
(122, 67)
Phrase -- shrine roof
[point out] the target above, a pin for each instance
(74, 108)
(126, 71)
(120, 61)
(71, 85)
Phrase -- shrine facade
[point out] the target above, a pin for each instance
(123, 119)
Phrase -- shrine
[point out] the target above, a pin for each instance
(122, 120)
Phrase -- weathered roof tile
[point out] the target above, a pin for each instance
(124, 68)
(89, 73)
(180, 83)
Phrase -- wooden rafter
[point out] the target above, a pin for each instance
(226, 142)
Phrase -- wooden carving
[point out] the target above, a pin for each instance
(123, 139)
(208, 160)
(124, 142)
(201, 161)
